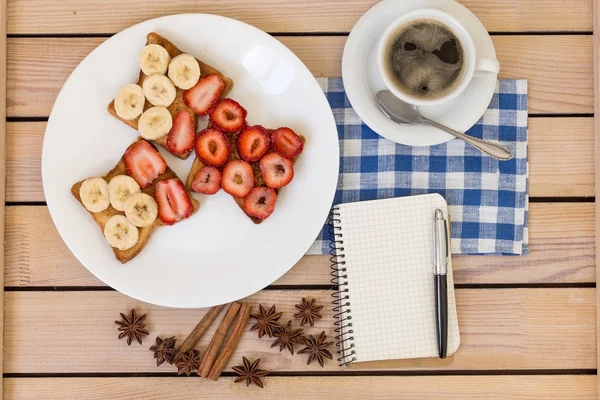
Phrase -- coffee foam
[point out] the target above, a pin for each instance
(424, 59)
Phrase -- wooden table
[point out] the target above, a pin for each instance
(528, 324)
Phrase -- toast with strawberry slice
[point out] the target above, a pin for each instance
(142, 162)
(253, 187)
(213, 84)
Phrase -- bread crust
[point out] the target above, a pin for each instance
(178, 104)
(101, 217)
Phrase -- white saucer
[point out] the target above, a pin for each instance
(362, 78)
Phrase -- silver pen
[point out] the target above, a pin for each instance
(440, 259)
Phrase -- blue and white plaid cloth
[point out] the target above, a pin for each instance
(487, 199)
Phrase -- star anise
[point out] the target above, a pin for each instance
(132, 327)
(250, 373)
(164, 350)
(266, 321)
(308, 311)
(188, 362)
(286, 337)
(316, 348)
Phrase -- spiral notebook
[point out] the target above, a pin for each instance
(384, 263)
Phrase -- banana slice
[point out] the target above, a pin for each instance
(154, 59)
(119, 189)
(154, 123)
(94, 194)
(129, 102)
(141, 209)
(121, 233)
(159, 90)
(184, 71)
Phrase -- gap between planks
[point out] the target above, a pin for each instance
(329, 286)
(282, 34)
(344, 372)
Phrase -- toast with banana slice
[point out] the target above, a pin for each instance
(172, 90)
(141, 193)
(252, 165)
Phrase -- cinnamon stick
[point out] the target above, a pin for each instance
(231, 342)
(213, 348)
(193, 338)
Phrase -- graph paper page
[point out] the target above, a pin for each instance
(388, 250)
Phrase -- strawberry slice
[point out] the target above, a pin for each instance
(253, 143)
(207, 180)
(276, 170)
(180, 138)
(237, 178)
(228, 115)
(144, 163)
(212, 147)
(287, 143)
(260, 202)
(173, 201)
(205, 94)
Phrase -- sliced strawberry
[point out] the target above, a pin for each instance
(228, 116)
(205, 94)
(207, 180)
(144, 163)
(212, 147)
(173, 201)
(180, 138)
(238, 178)
(260, 202)
(253, 143)
(287, 143)
(276, 170)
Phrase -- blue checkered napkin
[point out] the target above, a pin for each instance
(487, 199)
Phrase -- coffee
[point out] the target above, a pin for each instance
(424, 59)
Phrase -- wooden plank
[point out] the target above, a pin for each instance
(560, 149)
(501, 329)
(3, 78)
(559, 68)
(89, 16)
(552, 140)
(24, 161)
(562, 251)
(574, 387)
(596, 54)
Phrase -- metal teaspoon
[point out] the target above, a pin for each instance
(408, 114)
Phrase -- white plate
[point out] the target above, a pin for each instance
(362, 78)
(218, 255)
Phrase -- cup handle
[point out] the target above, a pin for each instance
(486, 67)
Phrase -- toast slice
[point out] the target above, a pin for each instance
(178, 103)
(101, 217)
(258, 177)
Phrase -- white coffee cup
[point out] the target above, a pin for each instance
(473, 66)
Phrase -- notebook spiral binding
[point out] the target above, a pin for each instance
(341, 296)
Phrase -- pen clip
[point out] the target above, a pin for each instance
(441, 243)
(446, 245)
